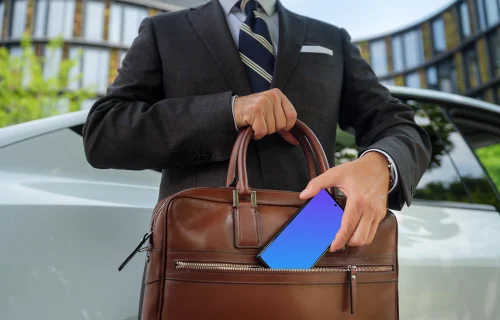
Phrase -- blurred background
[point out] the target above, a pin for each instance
(75, 46)
(60, 55)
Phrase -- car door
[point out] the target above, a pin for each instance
(448, 237)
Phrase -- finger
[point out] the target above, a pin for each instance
(362, 232)
(259, 127)
(350, 221)
(290, 112)
(279, 117)
(323, 181)
(289, 137)
(373, 231)
(270, 122)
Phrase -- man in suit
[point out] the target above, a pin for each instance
(193, 78)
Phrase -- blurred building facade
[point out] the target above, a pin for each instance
(102, 29)
(456, 50)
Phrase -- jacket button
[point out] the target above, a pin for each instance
(207, 155)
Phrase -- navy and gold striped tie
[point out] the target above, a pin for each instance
(256, 49)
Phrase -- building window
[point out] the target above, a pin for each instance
(53, 58)
(413, 80)
(133, 16)
(41, 10)
(124, 22)
(481, 16)
(2, 9)
(447, 75)
(413, 47)
(378, 54)
(397, 54)
(492, 14)
(115, 23)
(438, 35)
(94, 66)
(60, 20)
(432, 78)
(464, 18)
(494, 49)
(94, 20)
(472, 68)
(18, 22)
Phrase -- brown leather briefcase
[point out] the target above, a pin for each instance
(202, 262)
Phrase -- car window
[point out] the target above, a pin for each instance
(481, 131)
(443, 180)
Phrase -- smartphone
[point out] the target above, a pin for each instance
(306, 237)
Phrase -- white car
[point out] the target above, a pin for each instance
(65, 227)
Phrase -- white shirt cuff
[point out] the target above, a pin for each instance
(232, 110)
(395, 177)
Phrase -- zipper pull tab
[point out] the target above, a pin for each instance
(353, 286)
(137, 249)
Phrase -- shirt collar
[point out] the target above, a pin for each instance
(269, 6)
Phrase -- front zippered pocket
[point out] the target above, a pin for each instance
(351, 270)
(254, 267)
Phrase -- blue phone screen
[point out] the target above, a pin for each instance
(307, 236)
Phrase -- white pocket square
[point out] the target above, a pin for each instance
(316, 49)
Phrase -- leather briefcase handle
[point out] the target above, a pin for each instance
(300, 130)
(304, 144)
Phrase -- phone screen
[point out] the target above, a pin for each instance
(307, 235)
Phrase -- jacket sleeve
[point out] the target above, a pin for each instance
(382, 122)
(134, 127)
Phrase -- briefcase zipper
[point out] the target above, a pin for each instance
(351, 270)
(255, 267)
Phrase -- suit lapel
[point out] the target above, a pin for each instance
(291, 37)
(211, 26)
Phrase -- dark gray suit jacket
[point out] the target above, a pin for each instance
(170, 105)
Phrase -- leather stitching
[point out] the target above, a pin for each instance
(280, 282)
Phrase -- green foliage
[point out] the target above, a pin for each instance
(479, 190)
(490, 158)
(24, 92)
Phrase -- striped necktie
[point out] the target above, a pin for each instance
(256, 49)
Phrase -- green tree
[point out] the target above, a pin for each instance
(25, 94)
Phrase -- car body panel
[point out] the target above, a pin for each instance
(65, 227)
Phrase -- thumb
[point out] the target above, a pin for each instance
(323, 181)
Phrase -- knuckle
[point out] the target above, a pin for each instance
(361, 201)
(261, 101)
(349, 229)
(276, 91)
(356, 242)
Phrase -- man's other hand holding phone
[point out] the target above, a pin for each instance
(364, 181)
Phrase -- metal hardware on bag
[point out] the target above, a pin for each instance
(137, 249)
(255, 267)
(353, 288)
(236, 199)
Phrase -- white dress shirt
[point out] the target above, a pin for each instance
(235, 18)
